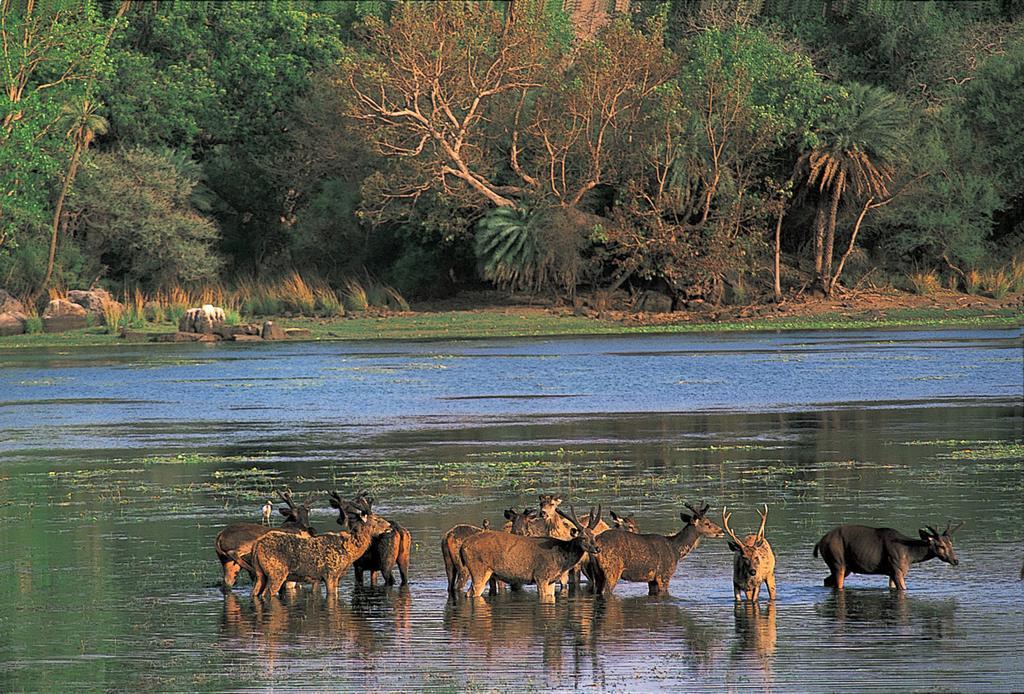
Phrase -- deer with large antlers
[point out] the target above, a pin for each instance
(753, 560)
(859, 549)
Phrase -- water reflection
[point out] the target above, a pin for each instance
(756, 636)
(884, 608)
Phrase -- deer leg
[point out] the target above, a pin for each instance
(274, 583)
(901, 581)
(257, 586)
(840, 578)
(493, 585)
(736, 592)
(358, 573)
(331, 582)
(610, 581)
(546, 592)
(752, 594)
(403, 567)
(770, 584)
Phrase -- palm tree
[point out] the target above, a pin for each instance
(860, 148)
(83, 124)
(507, 248)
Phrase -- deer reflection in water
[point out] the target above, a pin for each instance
(936, 618)
(323, 623)
(756, 635)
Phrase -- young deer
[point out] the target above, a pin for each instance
(754, 561)
(517, 559)
(648, 558)
(859, 549)
(625, 523)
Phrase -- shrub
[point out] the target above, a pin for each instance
(925, 283)
(972, 282)
(996, 282)
(33, 325)
(113, 313)
(355, 296)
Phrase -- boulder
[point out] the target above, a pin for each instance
(93, 301)
(183, 337)
(653, 302)
(61, 315)
(8, 304)
(298, 333)
(247, 338)
(201, 320)
(12, 323)
(271, 331)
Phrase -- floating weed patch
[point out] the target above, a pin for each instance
(250, 473)
(194, 459)
(995, 450)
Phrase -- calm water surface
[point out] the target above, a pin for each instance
(119, 466)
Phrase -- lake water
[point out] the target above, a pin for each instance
(118, 466)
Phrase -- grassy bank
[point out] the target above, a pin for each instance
(525, 322)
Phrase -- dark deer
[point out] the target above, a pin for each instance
(517, 559)
(859, 549)
(386, 551)
(235, 542)
(280, 557)
(753, 561)
(648, 558)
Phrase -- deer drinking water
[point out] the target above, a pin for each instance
(280, 557)
(234, 543)
(859, 549)
(754, 560)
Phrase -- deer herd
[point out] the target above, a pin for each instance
(543, 547)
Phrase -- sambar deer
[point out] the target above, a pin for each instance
(280, 557)
(451, 543)
(518, 559)
(233, 544)
(625, 522)
(647, 557)
(753, 561)
(860, 549)
(385, 552)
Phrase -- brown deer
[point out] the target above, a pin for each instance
(754, 560)
(558, 527)
(647, 557)
(451, 543)
(280, 557)
(517, 559)
(859, 549)
(235, 542)
(385, 552)
(625, 523)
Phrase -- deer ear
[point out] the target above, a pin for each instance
(509, 514)
(613, 515)
(733, 546)
(334, 503)
(925, 535)
(686, 517)
(284, 511)
(759, 542)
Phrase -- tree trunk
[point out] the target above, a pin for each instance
(68, 180)
(778, 252)
(853, 240)
(819, 237)
(825, 276)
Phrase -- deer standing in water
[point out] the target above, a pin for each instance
(859, 549)
(754, 560)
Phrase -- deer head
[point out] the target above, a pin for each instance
(699, 521)
(585, 533)
(941, 543)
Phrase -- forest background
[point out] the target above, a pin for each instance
(719, 151)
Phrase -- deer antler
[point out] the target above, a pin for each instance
(950, 532)
(725, 524)
(594, 519)
(286, 497)
(932, 530)
(696, 513)
(764, 519)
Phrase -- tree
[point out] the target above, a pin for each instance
(134, 213)
(862, 143)
(83, 124)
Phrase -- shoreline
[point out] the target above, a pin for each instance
(533, 321)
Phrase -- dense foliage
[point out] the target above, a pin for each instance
(444, 145)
